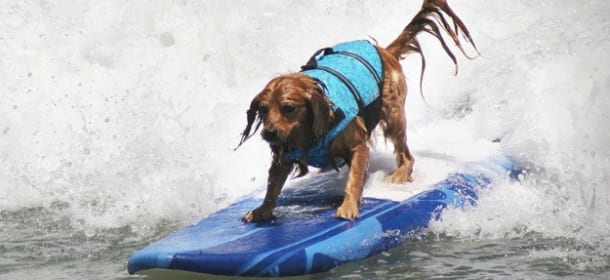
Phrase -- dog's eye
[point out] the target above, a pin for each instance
(263, 109)
(287, 109)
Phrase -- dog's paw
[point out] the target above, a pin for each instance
(399, 177)
(347, 212)
(257, 215)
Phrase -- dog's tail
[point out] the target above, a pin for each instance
(430, 16)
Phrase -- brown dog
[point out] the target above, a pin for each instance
(297, 115)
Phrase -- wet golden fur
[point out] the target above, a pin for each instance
(294, 114)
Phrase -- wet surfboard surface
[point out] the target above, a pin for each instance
(305, 237)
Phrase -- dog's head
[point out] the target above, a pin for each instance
(292, 110)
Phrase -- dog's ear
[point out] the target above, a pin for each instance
(251, 117)
(321, 114)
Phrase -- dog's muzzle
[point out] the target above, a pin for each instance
(272, 135)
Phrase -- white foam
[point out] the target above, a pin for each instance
(129, 119)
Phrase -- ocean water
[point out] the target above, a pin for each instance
(119, 119)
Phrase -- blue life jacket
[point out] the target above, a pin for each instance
(351, 76)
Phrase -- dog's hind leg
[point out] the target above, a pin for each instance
(404, 160)
(394, 123)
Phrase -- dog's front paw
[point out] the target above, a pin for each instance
(258, 215)
(347, 211)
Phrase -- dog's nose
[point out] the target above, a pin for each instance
(270, 134)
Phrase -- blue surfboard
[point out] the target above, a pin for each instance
(305, 237)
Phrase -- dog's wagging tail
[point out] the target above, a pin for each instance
(323, 116)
